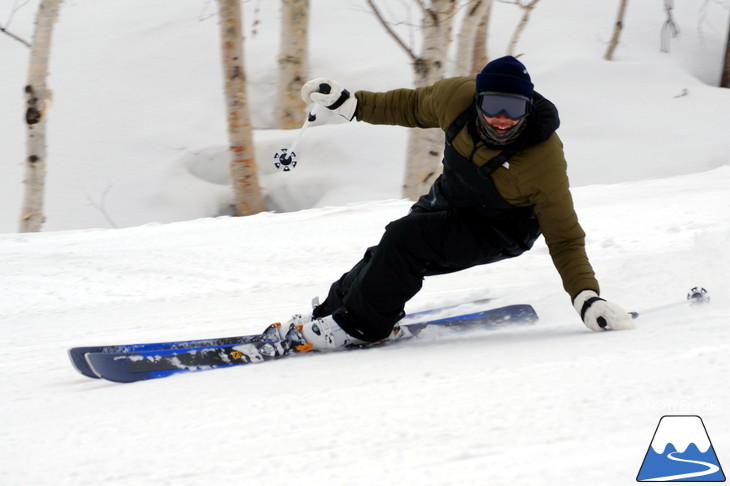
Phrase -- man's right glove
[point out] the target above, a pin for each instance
(331, 95)
(600, 315)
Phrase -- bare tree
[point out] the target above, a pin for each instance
(425, 147)
(617, 28)
(37, 95)
(466, 39)
(293, 62)
(669, 27)
(480, 54)
(246, 189)
(527, 7)
(725, 77)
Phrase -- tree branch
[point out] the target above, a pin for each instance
(4, 28)
(101, 206)
(19, 39)
(390, 31)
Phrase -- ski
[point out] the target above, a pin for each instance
(77, 355)
(147, 363)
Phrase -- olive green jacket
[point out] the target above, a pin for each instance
(536, 176)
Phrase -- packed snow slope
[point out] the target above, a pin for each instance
(549, 404)
(137, 141)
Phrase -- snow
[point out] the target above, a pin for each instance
(680, 432)
(138, 248)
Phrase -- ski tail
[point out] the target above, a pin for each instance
(518, 314)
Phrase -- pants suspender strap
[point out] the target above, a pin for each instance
(498, 160)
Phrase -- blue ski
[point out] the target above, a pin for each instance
(78, 354)
(149, 363)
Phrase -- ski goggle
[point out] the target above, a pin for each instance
(493, 104)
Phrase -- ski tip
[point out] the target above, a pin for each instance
(78, 360)
(115, 367)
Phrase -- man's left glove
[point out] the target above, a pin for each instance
(331, 95)
(600, 315)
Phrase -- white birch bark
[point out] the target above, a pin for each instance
(246, 189)
(725, 76)
(426, 146)
(293, 62)
(480, 55)
(37, 95)
(527, 9)
(618, 27)
(474, 16)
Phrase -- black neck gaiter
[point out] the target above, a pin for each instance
(492, 137)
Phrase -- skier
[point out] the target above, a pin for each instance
(504, 183)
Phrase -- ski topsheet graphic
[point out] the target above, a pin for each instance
(134, 362)
(681, 451)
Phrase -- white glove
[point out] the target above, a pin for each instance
(331, 95)
(599, 315)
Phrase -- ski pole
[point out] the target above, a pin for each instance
(697, 295)
(286, 159)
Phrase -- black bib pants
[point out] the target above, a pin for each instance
(462, 222)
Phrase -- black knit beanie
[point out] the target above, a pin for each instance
(505, 75)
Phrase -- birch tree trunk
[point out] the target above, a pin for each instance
(725, 77)
(37, 94)
(480, 57)
(246, 190)
(293, 62)
(426, 146)
(618, 27)
(474, 17)
(527, 9)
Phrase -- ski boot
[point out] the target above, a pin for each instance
(321, 334)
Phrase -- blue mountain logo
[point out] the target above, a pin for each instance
(681, 451)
